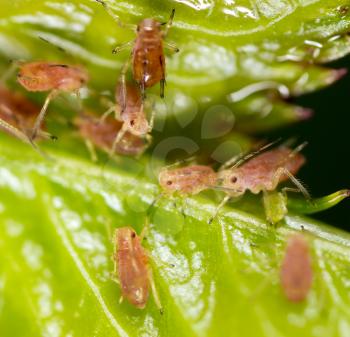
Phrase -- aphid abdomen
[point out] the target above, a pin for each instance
(148, 60)
(188, 180)
(296, 271)
(132, 267)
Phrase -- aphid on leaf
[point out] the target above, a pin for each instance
(132, 269)
(296, 273)
(263, 173)
(147, 56)
(132, 115)
(102, 134)
(53, 77)
(188, 180)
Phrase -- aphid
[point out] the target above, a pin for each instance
(147, 56)
(53, 77)
(296, 270)
(133, 115)
(18, 114)
(132, 268)
(189, 180)
(102, 134)
(263, 173)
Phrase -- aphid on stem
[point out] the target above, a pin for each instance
(263, 173)
(147, 56)
(132, 268)
(296, 274)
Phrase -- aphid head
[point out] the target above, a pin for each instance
(138, 125)
(148, 25)
(168, 181)
(231, 182)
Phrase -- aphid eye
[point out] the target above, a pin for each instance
(133, 235)
(138, 28)
(169, 182)
(132, 122)
(234, 179)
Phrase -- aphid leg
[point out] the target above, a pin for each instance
(115, 17)
(121, 47)
(162, 86)
(121, 299)
(154, 291)
(91, 149)
(123, 84)
(46, 135)
(42, 114)
(80, 104)
(14, 131)
(145, 229)
(283, 171)
(172, 47)
(169, 23)
(117, 139)
(162, 81)
(106, 114)
(222, 204)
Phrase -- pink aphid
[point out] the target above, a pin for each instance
(131, 110)
(261, 173)
(296, 270)
(189, 180)
(132, 268)
(53, 77)
(103, 133)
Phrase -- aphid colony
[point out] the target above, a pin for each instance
(128, 133)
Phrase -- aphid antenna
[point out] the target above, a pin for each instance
(253, 154)
(115, 17)
(179, 162)
(53, 44)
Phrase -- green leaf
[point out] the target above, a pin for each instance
(56, 216)
(56, 269)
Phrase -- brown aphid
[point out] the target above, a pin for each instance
(132, 114)
(262, 172)
(17, 114)
(147, 57)
(132, 268)
(49, 76)
(102, 134)
(296, 270)
(189, 180)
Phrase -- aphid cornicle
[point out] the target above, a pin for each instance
(263, 173)
(132, 268)
(147, 57)
(296, 273)
(189, 180)
(102, 134)
(43, 76)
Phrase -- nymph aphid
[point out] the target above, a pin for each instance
(147, 57)
(263, 173)
(132, 269)
(132, 115)
(189, 180)
(53, 77)
(296, 273)
(102, 134)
